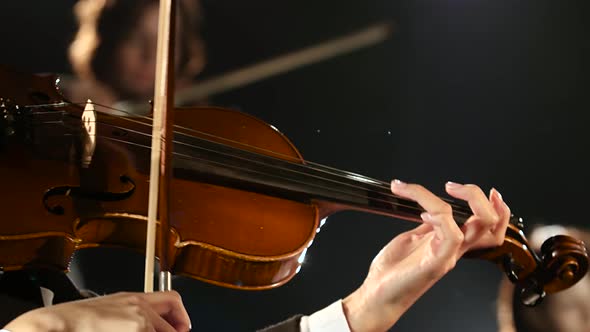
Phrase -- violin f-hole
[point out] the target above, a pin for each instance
(80, 193)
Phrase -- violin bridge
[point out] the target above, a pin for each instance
(89, 133)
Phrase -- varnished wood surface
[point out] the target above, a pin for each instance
(222, 235)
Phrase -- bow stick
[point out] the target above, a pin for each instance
(161, 153)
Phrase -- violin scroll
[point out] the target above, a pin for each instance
(565, 262)
(561, 263)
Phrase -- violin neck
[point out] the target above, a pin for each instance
(224, 165)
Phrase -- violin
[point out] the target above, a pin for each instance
(244, 204)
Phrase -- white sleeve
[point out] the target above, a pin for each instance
(47, 296)
(329, 319)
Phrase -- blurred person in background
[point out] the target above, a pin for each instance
(113, 55)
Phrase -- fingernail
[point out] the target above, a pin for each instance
(398, 183)
(427, 217)
(453, 185)
(498, 193)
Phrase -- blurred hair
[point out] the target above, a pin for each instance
(104, 24)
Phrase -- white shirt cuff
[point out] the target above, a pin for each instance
(329, 319)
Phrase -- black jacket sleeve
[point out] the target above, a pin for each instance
(289, 325)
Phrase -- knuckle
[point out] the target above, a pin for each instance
(474, 191)
(135, 300)
(451, 265)
(488, 222)
(496, 219)
(499, 239)
(446, 208)
(136, 314)
(404, 237)
(176, 295)
(458, 237)
(416, 187)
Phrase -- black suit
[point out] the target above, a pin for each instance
(290, 325)
(20, 292)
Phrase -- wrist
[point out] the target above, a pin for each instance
(365, 313)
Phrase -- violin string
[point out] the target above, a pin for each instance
(266, 174)
(64, 104)
(325, 168)
(317, 167)
(287, 179)
(356, 176)
(369, 190)
(292, 180)
(259, 162)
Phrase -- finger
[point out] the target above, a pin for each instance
(156, 322)
(448, 234)
(430, 202)
(477, 200)
(489, 237)
(417, 234)
(438, 214)
(169, 306)
(434, 223)
(421, 230)
(504, 214)
(409, 238)
(485, 217)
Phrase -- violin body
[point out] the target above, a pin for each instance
(54, 205)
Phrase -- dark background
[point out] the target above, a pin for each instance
(493, 92)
